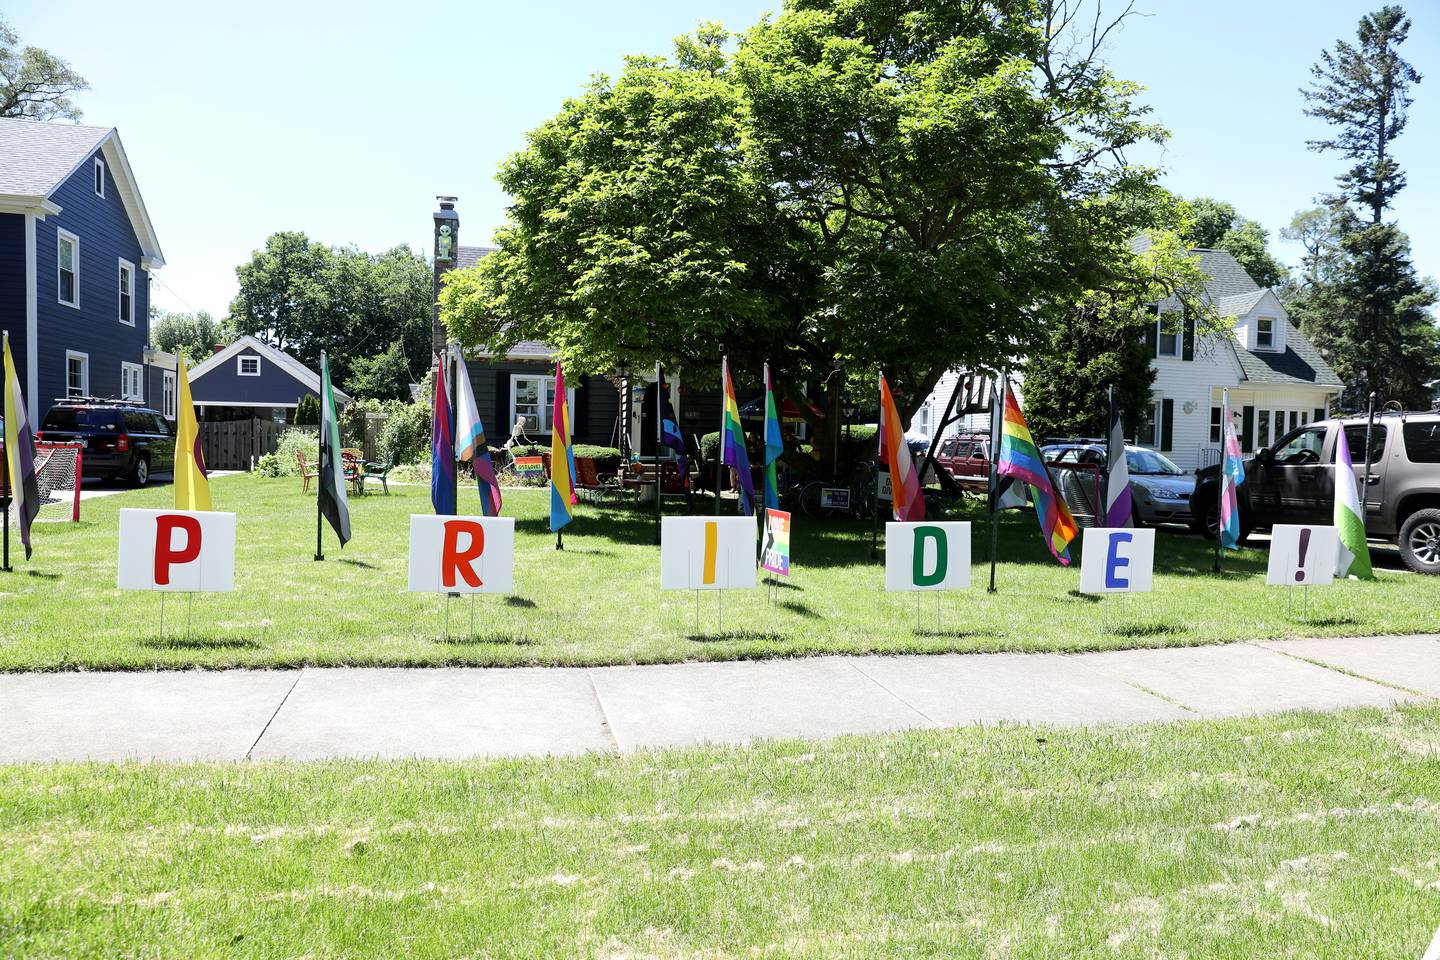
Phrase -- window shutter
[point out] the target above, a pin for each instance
(502, 407)
(1167, 432)
(1319, 414)
(1152, 336)
(1247, 429)
(1188, 344)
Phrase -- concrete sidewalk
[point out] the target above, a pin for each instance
(460, 712)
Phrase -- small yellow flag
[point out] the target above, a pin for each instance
(192, 488)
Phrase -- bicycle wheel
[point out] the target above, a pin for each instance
(810, 499)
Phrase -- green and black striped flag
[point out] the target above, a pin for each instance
(333, 505)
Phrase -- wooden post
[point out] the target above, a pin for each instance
(659, 441)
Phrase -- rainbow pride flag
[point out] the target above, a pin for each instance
(733, 439)
(562, 458)
(774, 444)
(1020, 460)
(905, 497)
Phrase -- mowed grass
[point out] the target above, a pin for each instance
(599, 600)
(1303, 835)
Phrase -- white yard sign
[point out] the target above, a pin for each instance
(1302, 555)
(462, 554)
(927, 556)
(1116, 560)
(707, 553)
(177, 551)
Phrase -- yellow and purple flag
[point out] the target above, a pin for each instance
(905, 498)
(192, 483)
(732, 439)
(562, 458)
(1020, 460)
(19, 452)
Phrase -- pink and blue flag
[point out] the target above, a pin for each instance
(1232, 475)
(470, 442)
(442, 449)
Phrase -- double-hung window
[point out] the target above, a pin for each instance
(77, 374)
(67, 280)
(534, 398)
(127, 293)
(1170, 335)
(132, 381)
(1265, 333)
(100, 178)
(167, 394)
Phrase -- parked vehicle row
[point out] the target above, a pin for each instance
(121, 439)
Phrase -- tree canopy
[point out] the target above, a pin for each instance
(193, 335)
(35, 84)
(369, 312)
(851, 185)
(1217, 225)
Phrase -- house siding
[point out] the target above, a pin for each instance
(593, 418)
(12, 286)
(106, 236)
(222, 384)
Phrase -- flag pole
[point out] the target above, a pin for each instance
(875, 514)
(659, 442)
(720, 447)
(1365, 490)
(997, 416)
(450, 354)
(1220, 487)
(320, 485)
(5, 480)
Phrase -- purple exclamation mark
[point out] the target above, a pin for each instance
(1304, 546)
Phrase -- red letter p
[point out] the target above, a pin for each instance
(165, 552)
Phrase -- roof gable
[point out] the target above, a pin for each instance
(297, 370)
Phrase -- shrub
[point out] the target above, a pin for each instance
(607, 459)
(406, 435)
(283, 461)
(268, 465)
(307, 411)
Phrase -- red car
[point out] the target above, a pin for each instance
(966, 457)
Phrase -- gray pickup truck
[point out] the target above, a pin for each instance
(1294, 482)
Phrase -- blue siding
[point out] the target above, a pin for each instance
(95, 329)
(12, 285)
(222, 385)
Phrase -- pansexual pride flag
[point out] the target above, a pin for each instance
(562, 458)
(905, 497)
(1020, 459)
(733, 441)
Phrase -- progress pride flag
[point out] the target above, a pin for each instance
(180, 551)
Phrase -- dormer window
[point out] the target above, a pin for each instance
(249, 366)
(1168, 340)
(100, 178)
(1265, 333)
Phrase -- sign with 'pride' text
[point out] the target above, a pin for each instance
(707, 553)
(1302, 555)
(927, 556)
(462, 554)
(1116, 560)
(178, 551)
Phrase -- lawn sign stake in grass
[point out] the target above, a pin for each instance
(176, 551)
(452, 555)
(707, 553)
(1116, 560)
(1301, 556)
(775, 550)
(927, 557)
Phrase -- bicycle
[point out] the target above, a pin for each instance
(821, 499)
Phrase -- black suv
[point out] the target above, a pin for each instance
(122, 438)
(1294, 482)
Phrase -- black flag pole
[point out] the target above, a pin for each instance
(659, 442)
(320, 487)
(997, 417)
(720, 447)
(1365, 490)
(875, 514)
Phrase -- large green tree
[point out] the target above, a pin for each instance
(34, 83)
(1368, 310)
(849, 186)
(369, 312)
(1216, 225)
(192, 334)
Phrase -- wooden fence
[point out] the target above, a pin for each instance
(234, 444)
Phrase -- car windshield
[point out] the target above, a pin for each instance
(1150, 462)
(72, 418)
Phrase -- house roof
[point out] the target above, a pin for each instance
(36, 157)
(1299, 363)
(1238, 304)
(297, 370)
(467, 257)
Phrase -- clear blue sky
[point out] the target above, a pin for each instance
(345, 119)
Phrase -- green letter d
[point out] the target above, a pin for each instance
(942, 557)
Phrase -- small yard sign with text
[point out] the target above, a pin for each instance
(1302, 555)
(530, 466)
(707, 553)
(775, 556)
(462, 554)
(177, 551)
(927, 556)
(1116, 560)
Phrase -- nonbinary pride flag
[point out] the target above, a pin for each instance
(192, 484)
(1021, 460)
(562, 458)
(1353, 556)
(19, 452)
(470, 443)
(1118, 507)
(905, 498)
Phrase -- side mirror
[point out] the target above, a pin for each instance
(1264, 454)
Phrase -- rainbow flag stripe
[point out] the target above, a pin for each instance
(733, 436)
(1020, 459)
(562, 458)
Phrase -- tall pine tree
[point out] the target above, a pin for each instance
(1372, 319)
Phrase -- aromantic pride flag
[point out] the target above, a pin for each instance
(1020, 459)
(732, 438)
(19, 452)
(774, 444)
(470, 443)
(562, 458)
(192, 484)
(905, 498)
(1232, 474)
(1119, 510)
(442, 448)
(333, 504)
(1353, 558)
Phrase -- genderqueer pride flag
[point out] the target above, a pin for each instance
(1020, 459)
(906, 501)
(1354, 555)
(774, 444)
(1118, 508)
(733, 441)
(562, 459)
(470, 443)
(19, 452)
(334, 506)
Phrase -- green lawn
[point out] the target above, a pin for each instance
(599, 600)
(1303, 835)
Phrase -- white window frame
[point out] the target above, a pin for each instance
(84, 359)
(1160, 332)
(130, 370)
(100, 178)
(167, 394)
(126, 268)
(240, 370)
(1274, 334)
(62, 236)
(1157, 410)
(547, 387)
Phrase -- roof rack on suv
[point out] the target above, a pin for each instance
(111, 401)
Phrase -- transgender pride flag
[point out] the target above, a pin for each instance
(1232, 474)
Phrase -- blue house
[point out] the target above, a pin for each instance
(76, 252)
(251, 379)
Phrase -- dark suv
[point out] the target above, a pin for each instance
(122, 439)
(1294, 482)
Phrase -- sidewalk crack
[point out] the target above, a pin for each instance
(604, 715)
(918, 712)
(278, 707)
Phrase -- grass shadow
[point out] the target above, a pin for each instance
(42, 575)
(949, 633)
(513, 601)
(731, 636)
(356, 563)
(482, 639)
(1146, 629)
(1087, 597)
(795, 606)
(1326, 621)
(199, 643)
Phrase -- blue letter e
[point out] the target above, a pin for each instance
(1113, 561)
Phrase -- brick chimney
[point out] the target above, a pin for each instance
(447, 250)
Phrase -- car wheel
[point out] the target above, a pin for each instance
(1420, 541)
(1211, 527)
(1136, 520)
(141, 474)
